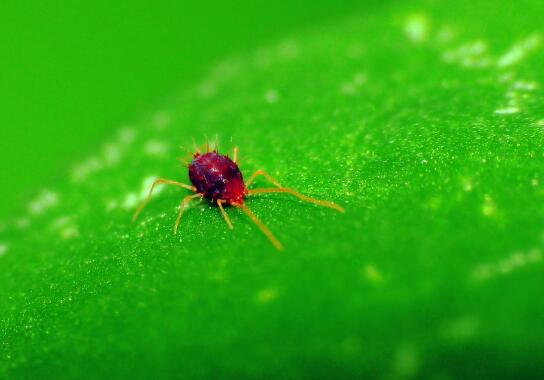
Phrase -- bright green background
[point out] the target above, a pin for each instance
(72, 71)
(401, 114)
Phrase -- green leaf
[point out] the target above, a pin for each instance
(424, 120)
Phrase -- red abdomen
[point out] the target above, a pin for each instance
(217, 177)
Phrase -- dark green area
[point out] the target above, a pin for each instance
(424, 120)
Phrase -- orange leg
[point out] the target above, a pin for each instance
(275, 242)
(281, 189)
(182, 206)
(223, 212)
(157, 182)
(264, 174)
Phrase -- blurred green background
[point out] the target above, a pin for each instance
(423, 118)
(72, 71)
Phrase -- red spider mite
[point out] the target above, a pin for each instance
(218, 179)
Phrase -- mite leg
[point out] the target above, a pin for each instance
(224, 213)
(275, 242)
(182, 206)
(264, 174)
(299, 196)
(235, 155)
(159, 181)
(281, 189)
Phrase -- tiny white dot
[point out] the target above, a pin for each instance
(45, 200)
(271, 96)
(161, 120)
(156, 148)
(127, 135)
(417, 27)
(507, 110)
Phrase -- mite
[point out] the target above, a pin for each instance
(218, 179)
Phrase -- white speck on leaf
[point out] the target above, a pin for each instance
(127, 135)
(519, 51)
(162, 120)
(467, 184)
(353, 86)
(288, 49)
(111, 155)
(359, 79)
(517, 93)
(489, 208)
(524, 85)
(130, 201)
(44, 201)
(69, 232)
(267, 295)
(85, 168)
(111, 205)
(3, 249)
(22, 223)
(506, 77)
(507, 110)
(373, 274)
(348, 88)
(156, 148)
(271, 96)
(206, 90)
(417, 27)
(60, 222)
(66, 228)
(473, 55)
(515, 260)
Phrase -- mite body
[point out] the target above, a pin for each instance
(218, 179)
